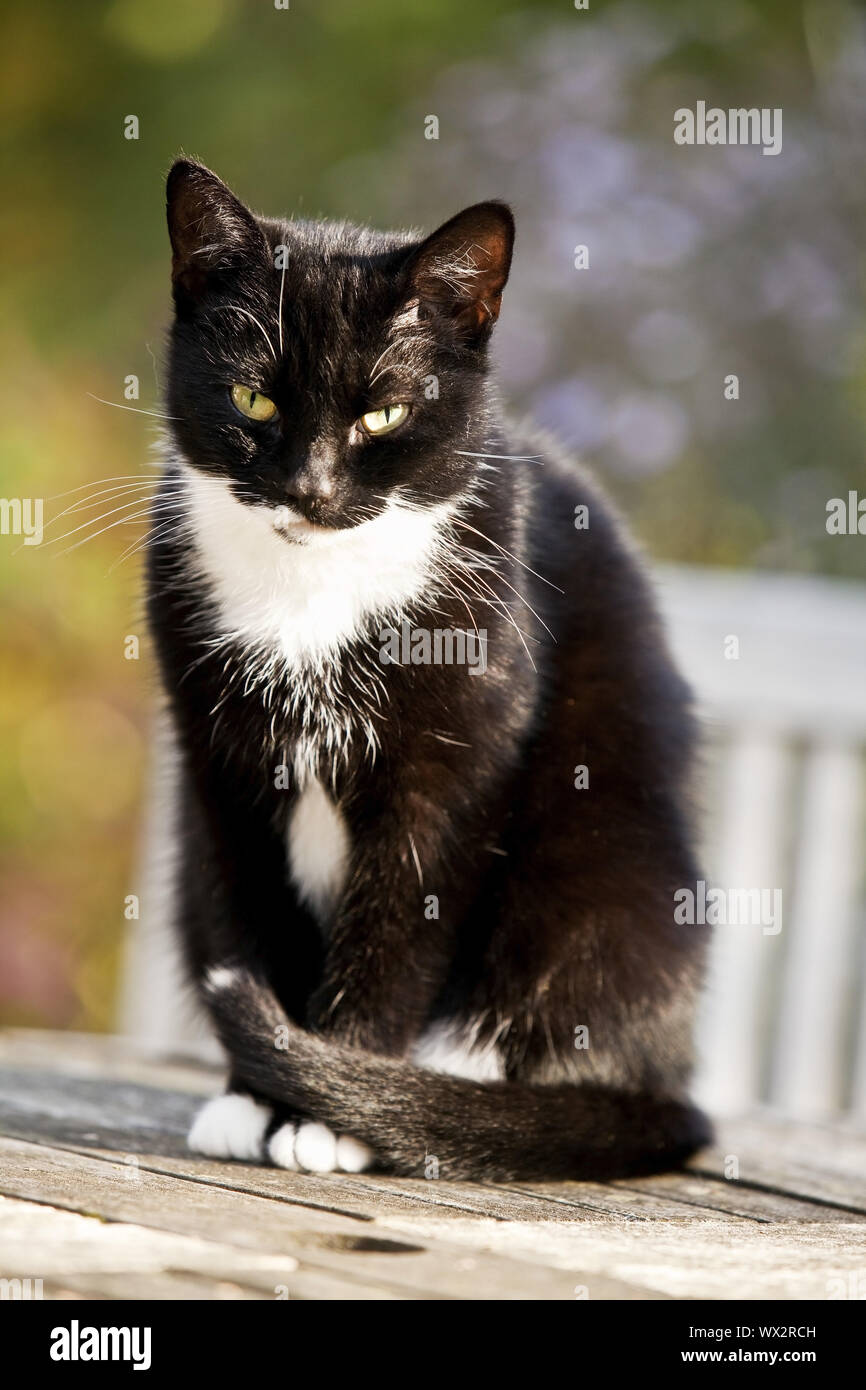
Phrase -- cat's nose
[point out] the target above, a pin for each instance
(310, 485)
(310, 489)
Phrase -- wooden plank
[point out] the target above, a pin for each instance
(473, 1257)
(731, 1041)
(607, 1258)
(104, 1114)
(317, 1238)
(810, 1061)
(306, 1285)
(366, 1194)
(86, 1114)
(704, 1260)
(561, 1201)
(370, 1195)
(619, 1202)
(107, 1056)
(84, 1256)
(820, 1164)
(35, 1065)
(711, 1197)
(802, 639)
(793, 1221)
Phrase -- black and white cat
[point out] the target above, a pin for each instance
(424, 941)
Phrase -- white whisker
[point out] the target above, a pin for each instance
(134, 408)
(282, 287)
(513, 458)
(491, 541)
(134, 502)
(524, 601)
(110, 494)
(174, 526)
(501, 606)
(121, 521)
(120, 478)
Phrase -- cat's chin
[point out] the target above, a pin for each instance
(297, 530)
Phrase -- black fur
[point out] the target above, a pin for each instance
(503, 1131)
(556, 905)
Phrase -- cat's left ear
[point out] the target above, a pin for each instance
(213, 235)
(460, 270)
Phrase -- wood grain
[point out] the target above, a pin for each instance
(102, 1200)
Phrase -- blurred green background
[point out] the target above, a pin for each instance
(703, 262)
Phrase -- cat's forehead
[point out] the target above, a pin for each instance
(339, 287)
(326, 242)
(336, 268)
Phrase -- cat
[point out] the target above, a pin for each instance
(428, 905)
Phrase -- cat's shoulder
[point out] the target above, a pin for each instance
(565, 497)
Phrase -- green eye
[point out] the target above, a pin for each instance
(253, 404)
(384, 420)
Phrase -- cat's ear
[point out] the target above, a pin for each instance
(460, 270)
(212, 233)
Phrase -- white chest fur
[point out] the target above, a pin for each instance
(448, 1048)
(300, 600)
(317, 846)
(293, 597)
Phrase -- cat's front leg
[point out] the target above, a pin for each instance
(233, 890)
(391, 941)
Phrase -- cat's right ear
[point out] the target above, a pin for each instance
(459, 272)
(212, 234)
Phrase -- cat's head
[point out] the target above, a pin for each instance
(325, 370)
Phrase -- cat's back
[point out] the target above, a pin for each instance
(606, 640)
(575, 537)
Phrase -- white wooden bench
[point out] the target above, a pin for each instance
(785, 1018)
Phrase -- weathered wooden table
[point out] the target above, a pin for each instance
(100, 1199)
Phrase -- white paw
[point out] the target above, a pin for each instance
(317, 1149)
(231, 1126)
(352, 1155)
(281, 1147)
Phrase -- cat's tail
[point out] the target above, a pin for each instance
(419, 1122)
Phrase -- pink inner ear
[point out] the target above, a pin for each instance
(468, 282)
(462, 268)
